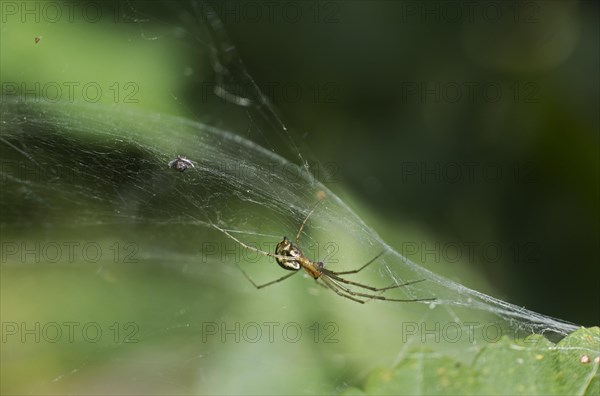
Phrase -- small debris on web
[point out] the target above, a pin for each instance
(585, 359)
(181, 164)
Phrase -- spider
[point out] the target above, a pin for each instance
(289, 256)
(181, 164)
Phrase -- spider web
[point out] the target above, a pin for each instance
(98, 174)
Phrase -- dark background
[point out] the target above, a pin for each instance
(347, 77)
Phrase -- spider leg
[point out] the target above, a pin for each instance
(305, 220)
(374, 296)
(286, 258)
(337, 290)
(360, 269)
(264, 284)
(327, 284)
(333, 275)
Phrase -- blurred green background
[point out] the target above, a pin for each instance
(369, 91)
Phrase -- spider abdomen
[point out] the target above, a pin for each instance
(288, 249)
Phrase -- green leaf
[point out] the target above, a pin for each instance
(533, 365)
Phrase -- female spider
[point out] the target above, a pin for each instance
(290, 257)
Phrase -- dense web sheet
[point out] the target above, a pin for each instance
(111, 178)
(97, 172)
(243, 188)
